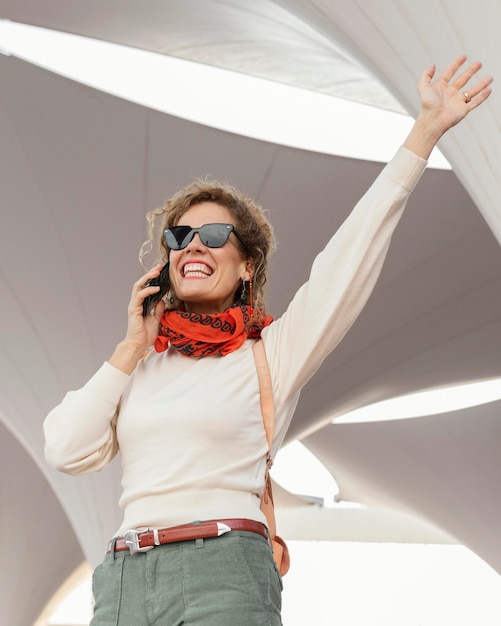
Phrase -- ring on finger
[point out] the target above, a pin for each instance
(467, 98)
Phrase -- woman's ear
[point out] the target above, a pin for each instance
(249, 267)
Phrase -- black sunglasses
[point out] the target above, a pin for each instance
(211, 235)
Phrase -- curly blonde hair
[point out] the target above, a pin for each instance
(250, 219)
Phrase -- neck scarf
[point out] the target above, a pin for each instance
(205, 334)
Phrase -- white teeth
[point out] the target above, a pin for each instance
(197, 269)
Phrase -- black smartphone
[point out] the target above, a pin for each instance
(161, 281)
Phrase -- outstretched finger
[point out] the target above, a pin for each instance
(479, 94)
(426, 76)
(467, 75)
(452, 68)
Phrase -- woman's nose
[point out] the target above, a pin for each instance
(195, 244)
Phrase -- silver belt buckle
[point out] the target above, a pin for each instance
(131, 538)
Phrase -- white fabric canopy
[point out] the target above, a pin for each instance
(78, 170)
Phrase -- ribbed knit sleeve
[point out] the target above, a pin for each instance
(80, 432)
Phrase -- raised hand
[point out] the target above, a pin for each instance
(445, 101)
(449, 98)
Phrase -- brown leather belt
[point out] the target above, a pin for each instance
(141, 541)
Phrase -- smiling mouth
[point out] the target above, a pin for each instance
(196, 270)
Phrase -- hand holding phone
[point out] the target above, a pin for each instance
(161, 281)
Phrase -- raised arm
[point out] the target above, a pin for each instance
(345, 272)
(445, 101)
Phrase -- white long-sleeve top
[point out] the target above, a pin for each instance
(190, 430)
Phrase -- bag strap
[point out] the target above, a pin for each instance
(265, 390)
(268, 413)
(278, 545)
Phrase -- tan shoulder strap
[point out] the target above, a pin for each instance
(279, 547)
(268, 413)
(265, 390)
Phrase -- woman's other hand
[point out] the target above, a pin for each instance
(445, 101)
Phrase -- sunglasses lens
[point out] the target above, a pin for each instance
(215, 235)
(178, 237)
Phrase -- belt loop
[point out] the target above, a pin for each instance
(112, 549)
(199, 543)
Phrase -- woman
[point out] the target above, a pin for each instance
(186, 415)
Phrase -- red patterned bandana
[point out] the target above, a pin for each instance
(204, 334)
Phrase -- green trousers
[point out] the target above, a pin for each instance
(222, 581)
